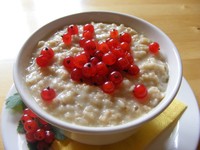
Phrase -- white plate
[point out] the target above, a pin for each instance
(182, 136)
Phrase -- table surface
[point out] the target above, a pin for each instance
(179, 19)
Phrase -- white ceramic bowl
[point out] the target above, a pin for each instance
(100, 135)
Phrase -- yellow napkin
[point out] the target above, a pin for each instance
(140, 140)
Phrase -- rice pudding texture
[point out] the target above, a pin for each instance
(88, 105)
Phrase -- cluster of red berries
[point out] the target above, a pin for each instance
(37, 131)
(102, 64)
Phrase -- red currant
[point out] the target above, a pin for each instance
(25, 117)
(67, 39)
(72, 29)
(46, 127)
(68, 62)
(41, 145)
(47, 52)
(129, 57)
(98, 54)
(140, 91)
(30, 126)
(82, 41)
(42, 61)
(116, 77)
(123, 63)
(103, 47)
(133, 70)
(39, 134)
(49, 137)
(125, 46)
(90, 47)
(109, 58)
(48, 94)
(88, 27)
(99, 79)
(108, 87)
(80, 60)
(76, 75)
(114, 33)
(88, 35)
(94, 60)
(118, 52)
(89, 70)
(30, 137)
(112, 43)
(125, 37)
(29, 113)
(102, 69)
(154, 47)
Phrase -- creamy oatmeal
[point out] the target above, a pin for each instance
(88, 105)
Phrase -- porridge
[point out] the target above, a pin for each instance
(97, 74)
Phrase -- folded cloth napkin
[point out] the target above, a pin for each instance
(140, 140)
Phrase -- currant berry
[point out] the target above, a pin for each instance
(154, 47)
(103, 47)
(94, 60)
(88, 35)
(30, 126)
(129, 57)
(25, 117)
(102, 69)
(108, 87)
(48, 94)
(99, 79)
(140, 91)
(29, 112)
(41, 145)
(112, 43)
(80, 60)
(46, 127)
(118, 52)
(47, 52)
(88, 27)
(42, 61)
(30, 137)
(90, 47)
(49, 137)
(109, 58)
(72, 29)
(68, 62)
(86, 54)
(76, 75)
(116, 77)
(89, 70)
(39, 134)
(123, 63)
(125, 37)
(67, 39)
(82, 41)
(125, 46)
(114, 33)
(133, 70)
(98, 54)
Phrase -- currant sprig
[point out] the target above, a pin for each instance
(38, 133)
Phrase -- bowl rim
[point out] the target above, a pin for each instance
(99, 130)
